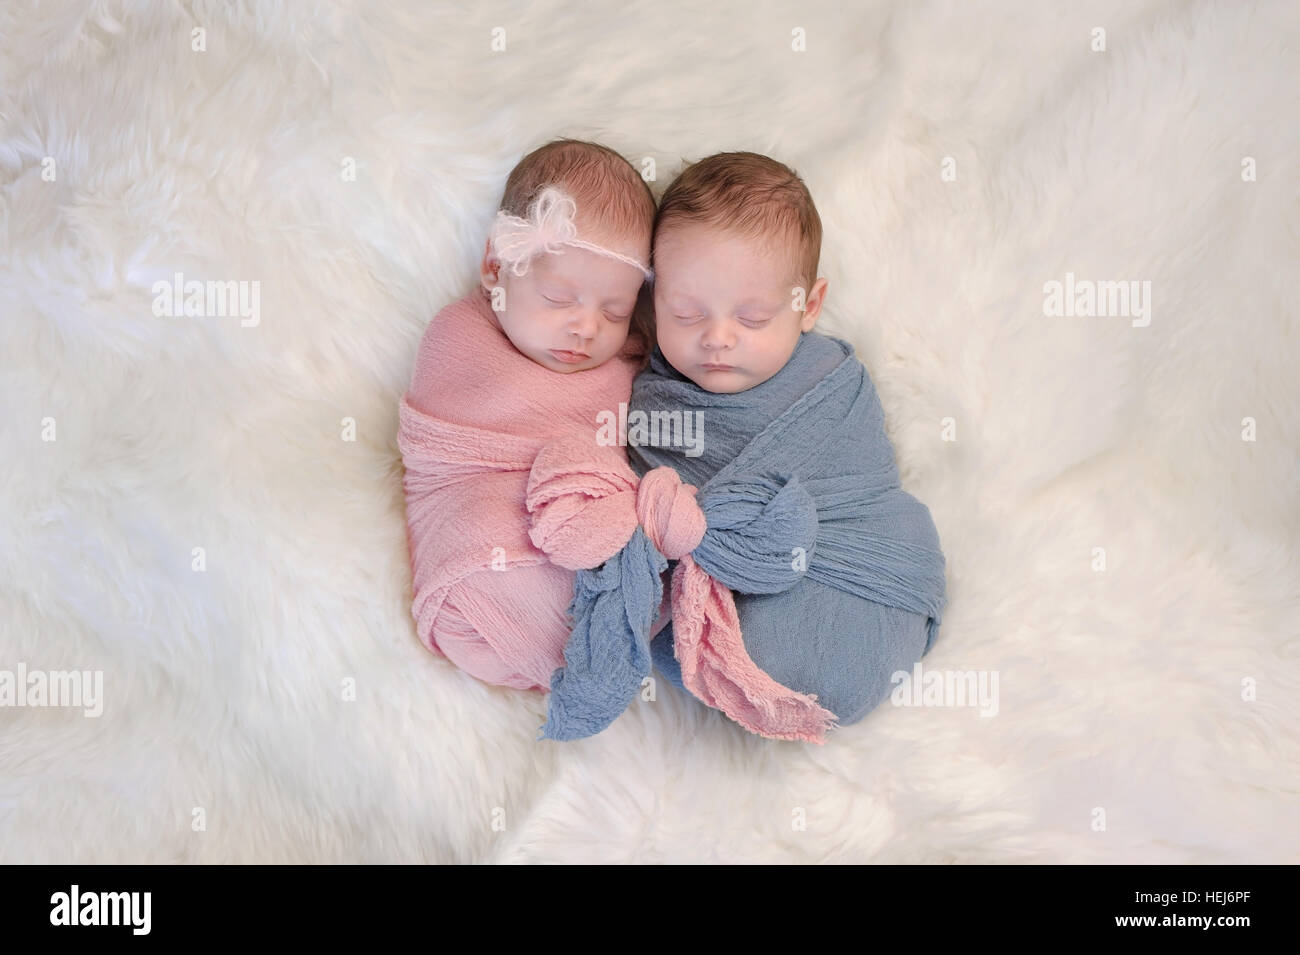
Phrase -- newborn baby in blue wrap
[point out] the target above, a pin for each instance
(736, 247)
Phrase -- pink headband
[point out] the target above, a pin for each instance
(548, 227)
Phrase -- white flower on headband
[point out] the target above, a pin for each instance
(548, 228)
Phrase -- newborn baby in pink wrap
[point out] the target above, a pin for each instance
(544, 345)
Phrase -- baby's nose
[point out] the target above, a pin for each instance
(585, 321)
(717, 334)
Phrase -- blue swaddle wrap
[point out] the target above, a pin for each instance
(607, 656)
(805, 513)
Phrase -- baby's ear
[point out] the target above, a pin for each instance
(489, 271)
(813, 305)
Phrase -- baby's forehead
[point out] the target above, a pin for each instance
(577, 269)
(692, 246)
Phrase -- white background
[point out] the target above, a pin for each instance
(1120, 689)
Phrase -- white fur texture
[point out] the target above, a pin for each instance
(1120, 690)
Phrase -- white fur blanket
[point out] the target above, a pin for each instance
(207, 509)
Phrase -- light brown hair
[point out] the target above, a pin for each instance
(753, 195)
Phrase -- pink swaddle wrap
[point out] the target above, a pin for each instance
(476, 416)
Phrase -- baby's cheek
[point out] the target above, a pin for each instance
(525, 321)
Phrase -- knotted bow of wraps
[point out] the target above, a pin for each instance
(797, 479)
